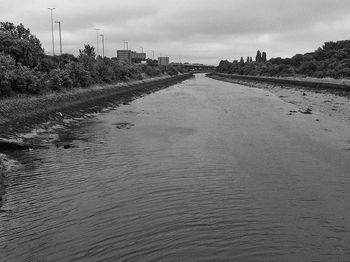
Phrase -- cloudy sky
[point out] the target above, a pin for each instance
(203, 31)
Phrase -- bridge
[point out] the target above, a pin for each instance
(199, 67)
(194, 68)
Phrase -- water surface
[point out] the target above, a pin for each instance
(201, 171)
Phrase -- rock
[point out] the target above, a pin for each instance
(66, 146)
(307, 111)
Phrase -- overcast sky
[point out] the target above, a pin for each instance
(204, 31)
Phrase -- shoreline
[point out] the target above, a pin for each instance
(332, 103)
(339, 86)
(22, 115)
(18, 115)
(2, 179)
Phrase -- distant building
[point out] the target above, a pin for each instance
(138, 57)
(163, 61)
(130, 56)
(124, 55)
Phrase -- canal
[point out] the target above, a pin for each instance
(201, 171)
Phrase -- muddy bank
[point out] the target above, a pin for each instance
(2, 179)
(20, 116)
(330, 102)
(333, 85)
(23, 114)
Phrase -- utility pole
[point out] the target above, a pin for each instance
(97, 53)
(53, 39)
(59, 28)
(103, 45)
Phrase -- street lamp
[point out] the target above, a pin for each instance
(103, 45)
(97, 41)
(59, 28)
(53, 40)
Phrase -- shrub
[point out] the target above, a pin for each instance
(151, 71)
(7, 66)
(59, 79)
(104, 70)
(25, 80)
(78, 74)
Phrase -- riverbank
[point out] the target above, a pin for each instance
(20, 116)
(332, 102)
(329, 84)
(2, 179)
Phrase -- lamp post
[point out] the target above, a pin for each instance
(53, 39)
(103, 45)
(59, 28)
(97, 41)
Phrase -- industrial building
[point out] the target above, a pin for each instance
(138, 57)
(163, 61)
(130, 56)
(124, 55)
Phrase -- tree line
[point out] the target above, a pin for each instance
(330, 60)
(25, 68)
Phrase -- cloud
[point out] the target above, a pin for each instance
(198, 30)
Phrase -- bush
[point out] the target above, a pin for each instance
(172, 71)
(59, 79)
(25, 80)
(7, 66)
(77, 73)
(104, 70)
(151, 71)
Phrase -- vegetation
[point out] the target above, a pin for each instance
(330, 60)
(25, 69)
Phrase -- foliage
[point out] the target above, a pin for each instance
(25, 68)
(18, 42)
(7, 67)
(87, 51)
(79, 76)
(60, 79)
(330, 60)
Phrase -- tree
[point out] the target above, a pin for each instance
(263, 57)
(241, 61)
(87, 51)
(18, 42)
(224, 66)
(247, 61)
(258, 56)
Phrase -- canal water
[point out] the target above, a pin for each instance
(201, 171)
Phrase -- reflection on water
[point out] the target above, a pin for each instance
(190, 173)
